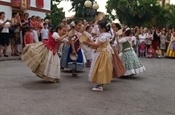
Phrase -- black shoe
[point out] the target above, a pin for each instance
(6, 55)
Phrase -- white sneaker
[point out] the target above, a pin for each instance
(97, 88)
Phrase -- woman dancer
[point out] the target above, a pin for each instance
(42, 57)
(118, 67)
(129, 58)
(101, 67)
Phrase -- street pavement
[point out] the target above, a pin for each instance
(2, 58)
(148, 93)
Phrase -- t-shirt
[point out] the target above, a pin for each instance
(142, 38)
(5, 29)
(134, 40)
(44, 33)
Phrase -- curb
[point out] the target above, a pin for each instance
(10, 58)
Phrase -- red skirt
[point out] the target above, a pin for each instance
(118, 66)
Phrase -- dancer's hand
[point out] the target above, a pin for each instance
(86, 42)
(74, 52)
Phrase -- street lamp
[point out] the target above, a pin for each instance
(95, 6)
(87, 3)
(92, 7)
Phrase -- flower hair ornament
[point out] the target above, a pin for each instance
(108, 24)
(127, 29)
(72, 24)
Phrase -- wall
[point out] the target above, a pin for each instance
(47, 4)
(6, 0)
(7, 10)
(36, 13)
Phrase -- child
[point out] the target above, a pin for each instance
(28, 37)
(158, 52)
(45, 32)
(87, 50)
(101, 67)
(142, 49)
(151, 52)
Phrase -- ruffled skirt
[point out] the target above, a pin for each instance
(101, 68)
(118, 66)
(132, 63)
(171, 50)
(42, 61)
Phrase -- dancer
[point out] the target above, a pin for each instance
(171, 48)
(118, 67)
(75, 49)
(101, 67)
(28, 36)
(42, 57)
(66, 46)
(86, 49)
(129, 57)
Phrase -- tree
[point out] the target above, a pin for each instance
(80, 10)
(57, 14)
(134, 12)
(170, 16)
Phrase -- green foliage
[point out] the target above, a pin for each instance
(170, 16)
(81, 11)
(57, 14)
(140, 12)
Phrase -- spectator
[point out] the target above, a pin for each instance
(15, 34)
(163, 39)
(28, 37)
(142, 49)
(4, 40)
(45, 32)
(158, 52)
(151, 52)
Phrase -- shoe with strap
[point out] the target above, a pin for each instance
(98, 88)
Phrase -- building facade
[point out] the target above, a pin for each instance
(33, 7)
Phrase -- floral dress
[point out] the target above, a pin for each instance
(129, 58)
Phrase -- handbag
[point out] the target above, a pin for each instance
(12, 29)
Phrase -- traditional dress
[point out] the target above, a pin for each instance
(79, 64)
(42, 58)
(64, 56)
(118, 67)
(129, 58)
(101, 67)
(28, 38)
(87, 50)
(171, 48)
